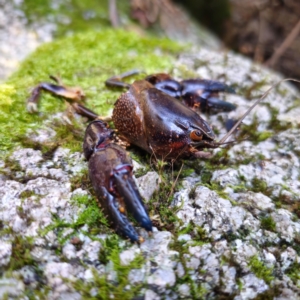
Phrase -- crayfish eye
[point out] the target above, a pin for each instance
(196, 135)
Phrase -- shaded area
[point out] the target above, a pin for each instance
(258, 29)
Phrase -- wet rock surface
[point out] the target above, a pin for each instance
(237, 225)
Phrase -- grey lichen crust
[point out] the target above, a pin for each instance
(237, 231)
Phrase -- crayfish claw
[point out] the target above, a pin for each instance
(110, 171)
(119, 221)
(216, 103)
(194, 85)
(129, 191)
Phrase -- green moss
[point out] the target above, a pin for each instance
(221, 159)
(13, 166)
(186, 171)
(141, 172)
(159, 206)
(259, 185)
(239, 284)
(198, 234)
(256, 185)
(192, 193)
(293, 272)
(68, 135)
(240, 188)
(27, 193)
(69, 16)
(21, 256)
(268, 223)
(242, 234)
(84, 60)
(160, 202)
(260, 270)
(206, 175)
(40, 292)
(275, 124)
(187, 230)
(81, 180)
(270, 294)
(105, 289)
(198, 291)
(92, 215)
(248, 91)
(250, 132)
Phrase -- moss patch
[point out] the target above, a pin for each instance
(70, 16)
(293, 272)
(104, 288)
(92, 215)
(197, 287)
(268, 223)
(21, 255)
(260, 269)
(84, 60)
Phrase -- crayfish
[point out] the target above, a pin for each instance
(148, 116)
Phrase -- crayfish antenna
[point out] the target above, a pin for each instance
(116, 81)
(222, 141)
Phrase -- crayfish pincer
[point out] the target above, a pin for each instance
(110, 172)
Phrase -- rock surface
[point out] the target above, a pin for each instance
(236, 231)
(18, 40)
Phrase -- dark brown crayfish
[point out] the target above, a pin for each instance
(148, 116)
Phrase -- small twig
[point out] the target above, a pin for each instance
(284, 46)
(174, 183)
(113, 13)
(259, 49)
(251, 108)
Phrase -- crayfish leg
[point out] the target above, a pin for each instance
(203, 94)
(207, 102)
(32, 101)
(204, 85)
(69, 93)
